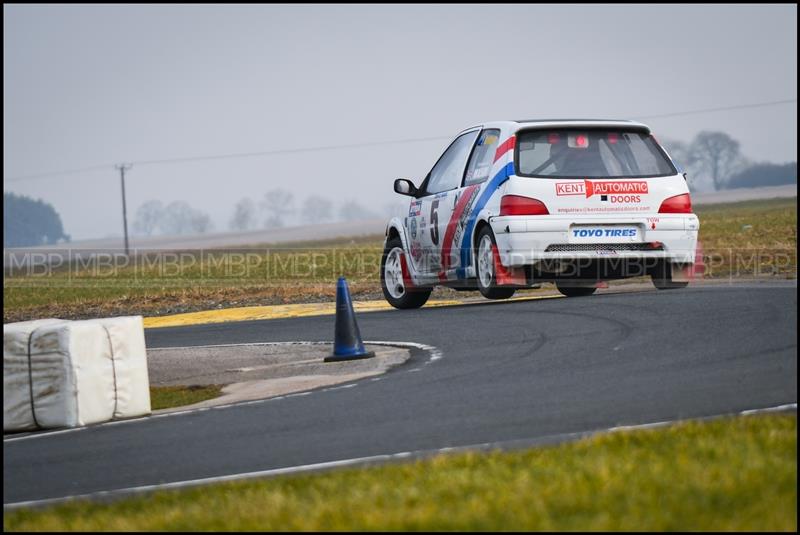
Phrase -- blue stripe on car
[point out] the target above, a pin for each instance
(466, 241)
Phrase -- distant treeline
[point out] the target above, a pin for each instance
(276, 209)
(715, 157)
(764, 174)
(28, 222)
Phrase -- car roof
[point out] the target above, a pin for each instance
(515, 125)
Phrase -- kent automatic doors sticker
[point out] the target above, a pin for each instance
(617, 191)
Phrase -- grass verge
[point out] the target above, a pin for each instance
(728, 474)
(167, 397)
(752, 238)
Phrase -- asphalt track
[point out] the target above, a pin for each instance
(507, 372)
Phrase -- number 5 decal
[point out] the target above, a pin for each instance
(435, 222)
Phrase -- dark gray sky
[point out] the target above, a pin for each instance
(87, 85)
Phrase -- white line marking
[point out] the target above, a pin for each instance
(640, 426)
(788, 406)
(371, 459)
(434, 353)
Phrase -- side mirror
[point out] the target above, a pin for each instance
(405, 187)
(686, 178)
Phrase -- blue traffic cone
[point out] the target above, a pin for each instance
(347, 344)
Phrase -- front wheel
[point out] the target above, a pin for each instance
(394, 286)
(485, 267)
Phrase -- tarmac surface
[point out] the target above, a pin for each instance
(493, 373)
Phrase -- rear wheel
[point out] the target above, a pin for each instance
(662, 278)
(395, 290)
(574, 291)
(485, 268)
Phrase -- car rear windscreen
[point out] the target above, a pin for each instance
(592, 153)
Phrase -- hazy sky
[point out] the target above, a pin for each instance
(88, 85)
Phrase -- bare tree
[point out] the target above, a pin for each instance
(200, 222)
(317, 209)
(149, 217)
(715, 154)
(678, 151)
(180, 218)
(279, 206)
(244, 215)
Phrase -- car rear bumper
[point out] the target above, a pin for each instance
(527, 240)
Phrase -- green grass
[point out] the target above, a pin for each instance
(167, 397)
(306, 272)
(751, 238)
(727, 474)
(170, 283)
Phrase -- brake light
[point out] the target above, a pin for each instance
(679, 204)
(519, 205)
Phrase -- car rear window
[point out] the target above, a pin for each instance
(593, 153)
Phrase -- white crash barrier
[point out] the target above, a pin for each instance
(60, 373)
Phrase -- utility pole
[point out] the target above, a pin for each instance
(122, 168)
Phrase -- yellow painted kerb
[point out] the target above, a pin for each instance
(293, 311)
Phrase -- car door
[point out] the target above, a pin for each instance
(477, 173)
(429, 215)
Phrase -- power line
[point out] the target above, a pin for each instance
(352, 145)
(231, 155)
(288, 151)
(58, 173)
(724, 108)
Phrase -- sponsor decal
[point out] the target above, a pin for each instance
(604, 232)
(570, 188)
(458, 222)
(415, 208)
(620, 191)
(416, 251)
(478, 174)
(603, 209)
(414, 228)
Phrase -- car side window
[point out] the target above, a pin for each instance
(449, 170)
(480, 164)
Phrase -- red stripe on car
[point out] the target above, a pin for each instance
(506, 146)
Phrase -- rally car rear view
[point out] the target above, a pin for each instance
(511, 204)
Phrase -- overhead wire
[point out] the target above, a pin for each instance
(188, 159)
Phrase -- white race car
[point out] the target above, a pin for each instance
(510, 204)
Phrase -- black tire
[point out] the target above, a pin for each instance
(408, 298)
(662, 278)
(492, 290)
(575, 291)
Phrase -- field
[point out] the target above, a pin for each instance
(747, 239)
(727, 474)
